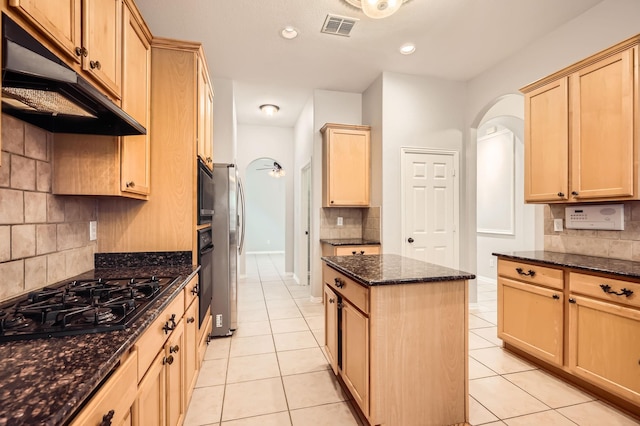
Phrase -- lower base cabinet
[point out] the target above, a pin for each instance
(150, 408)
(355, 354)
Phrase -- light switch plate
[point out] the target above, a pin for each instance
(93, 230)
(340, 222)
(557, 225)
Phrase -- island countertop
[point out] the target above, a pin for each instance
(385, 269)
(350, 242)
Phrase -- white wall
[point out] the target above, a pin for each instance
(224, 121)
(372, 115)
(277, 143)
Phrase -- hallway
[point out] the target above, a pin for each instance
(272, 372)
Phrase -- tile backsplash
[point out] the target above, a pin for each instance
(44, 238)
(615, 244)
(356, 223)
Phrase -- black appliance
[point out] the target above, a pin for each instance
(39, 88)
(205, 260)
(205, 193)
(80, 307)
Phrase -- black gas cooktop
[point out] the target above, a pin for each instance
(80, 307)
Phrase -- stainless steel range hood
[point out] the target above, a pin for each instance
(39, 88)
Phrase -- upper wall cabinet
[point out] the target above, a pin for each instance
(581, 130)
(85, 32)
(346, 164)
(205, 116)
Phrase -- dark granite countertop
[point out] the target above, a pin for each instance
(622, 268)
(45, 381)
(350, 242)
(384, 269)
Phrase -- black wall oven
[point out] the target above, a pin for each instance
(205, 193)
(205, 260)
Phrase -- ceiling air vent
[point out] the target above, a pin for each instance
(338, 25)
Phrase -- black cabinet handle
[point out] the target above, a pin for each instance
(191, 320)
(82, 51)
(560, 194)
(572, 300)
(410, 240)
(338, 282)
(106, 419)
(353, 252)
(332, 300)
(555, 296)
(195, 289)
(174, 349)
(168, 360)
(531, 273)
(575, 193)
(623, 292)
(95, 64)
(361, 251)
(168, 327)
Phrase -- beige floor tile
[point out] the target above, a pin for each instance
(478, 370)
(296, 340)
(252, 295)
(491, 305)
(252, 367)
(313, 310)
(250, 305)
(548, 389)
(546, 418)
(289, 325)
(212, 372)
(479, 307)
(489, 333)
(490, 316)
(247, 329)
(503, 398)
(311, 389)
(478, 414)
(276, 419)
(243, 346)
(253, 315)
(307, 301)
(319, 335)
(315, 323)
(273, 277)
(253, 398)
(218, 348)
(484, 296)
(477, 322)
(596, 413)
(302, 361)
(281, 303)
(283, 313)
(500, 360)
(477, 342)
(339, 413)
(205, 407)
(299, 291)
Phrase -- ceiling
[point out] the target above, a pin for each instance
(455, 40)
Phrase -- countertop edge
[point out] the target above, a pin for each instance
(336, 242)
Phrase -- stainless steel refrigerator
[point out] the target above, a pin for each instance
(228, 239)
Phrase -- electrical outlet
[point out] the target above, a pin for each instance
(340, 221)
(93, 230)
(557, 225)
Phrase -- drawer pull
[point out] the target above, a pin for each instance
(174, 349)
(340, 305)
(361, 251)
(195, 290)
(572, 300)
(332, 300)
(555, 296)
(624, 292)
(191, 320)
(339, 283)
(353, 252)
(106, 419)
(168, 360)
(168, 327)
(531, 273)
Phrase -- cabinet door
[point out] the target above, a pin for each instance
(59, 20)
(604, 347)
(331, 327)
(347, 167)
(150, 408)
(102, 37)
(546, 139)
(136, 78)
(205, 117)
(602, 134)
(531, 318)
(175, 354)
(355, 354)
(190, 349)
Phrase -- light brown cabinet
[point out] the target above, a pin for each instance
(86, 32)
(581, 137)
(372, 336)
(530, 309)
(205, 116)
(331, 250)
(346, 165)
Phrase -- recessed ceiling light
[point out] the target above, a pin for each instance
(407, 48)
(269, 109)
(289, 32)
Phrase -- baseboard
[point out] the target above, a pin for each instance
(264, 252)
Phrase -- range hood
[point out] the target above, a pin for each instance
(39, 88)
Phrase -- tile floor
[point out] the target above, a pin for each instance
(273, 372)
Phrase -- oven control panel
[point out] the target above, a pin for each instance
(603, 216)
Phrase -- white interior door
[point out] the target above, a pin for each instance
(430, 206)
(305, 213)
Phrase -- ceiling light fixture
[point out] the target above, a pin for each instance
(377, 9)
(289, 32)
(277, 170)
(407, 48)
(269, 109)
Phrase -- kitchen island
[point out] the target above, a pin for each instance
(396, 337)
(47, 380)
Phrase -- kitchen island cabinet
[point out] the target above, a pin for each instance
(583, 318)
(349, 246)
(396, 335)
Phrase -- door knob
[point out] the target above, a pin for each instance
(410, 240)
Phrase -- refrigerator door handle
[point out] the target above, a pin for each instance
(242, 224)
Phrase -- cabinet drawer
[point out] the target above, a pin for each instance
(609, 289)
(535, 274)
(357, 294)
(151, 342)
(190, 292)
(351, 250)
(118, 394)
